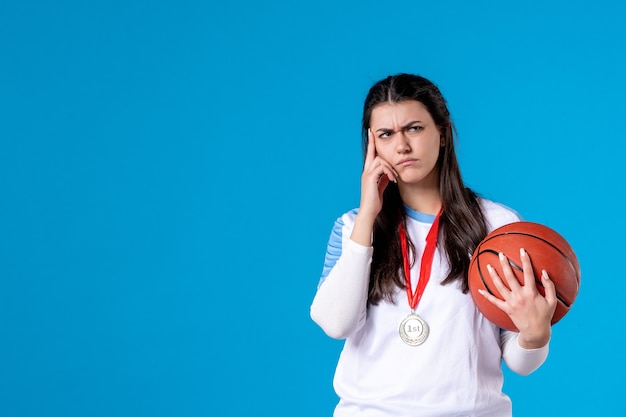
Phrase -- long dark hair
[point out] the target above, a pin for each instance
(462, 222)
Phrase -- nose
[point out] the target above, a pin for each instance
(402, 143)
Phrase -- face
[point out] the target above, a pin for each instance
(407, 138)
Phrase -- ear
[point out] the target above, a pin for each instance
(442, 141)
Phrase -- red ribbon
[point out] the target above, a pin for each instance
(426, 263)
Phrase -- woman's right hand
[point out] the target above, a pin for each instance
(377, 173)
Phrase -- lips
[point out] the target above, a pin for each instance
(406, 161)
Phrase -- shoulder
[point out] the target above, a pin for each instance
(347, 219)
(497, 214)
(343, 226)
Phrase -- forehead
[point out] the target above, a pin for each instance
(399, 113)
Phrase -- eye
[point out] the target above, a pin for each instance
(416, 128)
(384, 135)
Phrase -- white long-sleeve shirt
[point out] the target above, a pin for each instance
(455, 372)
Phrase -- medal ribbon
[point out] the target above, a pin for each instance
(425, 265)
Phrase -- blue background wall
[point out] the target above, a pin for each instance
(170, 173)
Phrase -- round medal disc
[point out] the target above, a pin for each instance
(413, 330)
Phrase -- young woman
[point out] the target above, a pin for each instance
(394, 283)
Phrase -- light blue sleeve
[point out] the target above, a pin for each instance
(335, 243)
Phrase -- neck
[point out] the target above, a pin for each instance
(425, 200)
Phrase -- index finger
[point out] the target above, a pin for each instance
(371, 146)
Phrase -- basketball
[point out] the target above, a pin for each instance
(547, 250)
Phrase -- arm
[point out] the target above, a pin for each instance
(529, 311)
(340, 304)
(519, 360)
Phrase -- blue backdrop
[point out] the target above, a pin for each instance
(170, 172)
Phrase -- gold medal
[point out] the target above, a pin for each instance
(413, 330)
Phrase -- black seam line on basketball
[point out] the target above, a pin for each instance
(543, 240)
(482, 278)
(519, 268)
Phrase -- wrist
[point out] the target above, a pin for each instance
(363, 229)
(535, 339)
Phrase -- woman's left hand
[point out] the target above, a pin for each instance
(528, 309)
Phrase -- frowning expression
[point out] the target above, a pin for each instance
(407, 137)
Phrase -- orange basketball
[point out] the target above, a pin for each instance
(547, 250)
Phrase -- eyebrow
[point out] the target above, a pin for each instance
(409, 124)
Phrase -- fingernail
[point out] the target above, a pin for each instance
(544, 274)
(489, 268)
(501, 256)
(522, 252)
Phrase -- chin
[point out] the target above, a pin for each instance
(412, 179)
